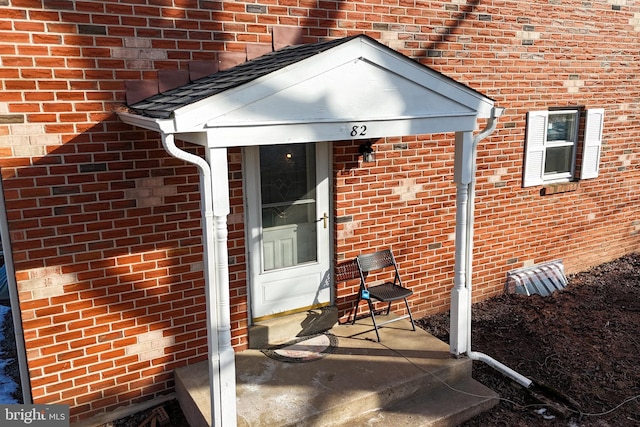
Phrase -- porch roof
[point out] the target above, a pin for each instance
(350, 88)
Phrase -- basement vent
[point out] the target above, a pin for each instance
(540, 279)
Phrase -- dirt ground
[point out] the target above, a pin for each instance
(580, 346)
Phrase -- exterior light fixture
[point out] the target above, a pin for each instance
(368, 155)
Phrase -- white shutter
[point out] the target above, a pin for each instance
(592, 143)
(534, 149)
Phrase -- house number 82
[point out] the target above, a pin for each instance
(358, 130)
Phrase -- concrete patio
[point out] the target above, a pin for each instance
(408, 379)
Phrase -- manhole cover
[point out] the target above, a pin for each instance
(304, 349)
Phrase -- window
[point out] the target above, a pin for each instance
(553, 141)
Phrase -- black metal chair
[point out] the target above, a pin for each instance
(389, 291)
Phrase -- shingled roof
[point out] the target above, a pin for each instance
(311, 92)
(163, 105)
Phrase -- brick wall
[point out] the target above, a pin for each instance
(106, 241)
(406, 201)
(105, 225)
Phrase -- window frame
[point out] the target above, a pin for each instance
(586, 136)
(573, 143)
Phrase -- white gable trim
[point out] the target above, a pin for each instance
(314, 87)
(409, 69)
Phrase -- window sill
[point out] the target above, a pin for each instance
(563, 187)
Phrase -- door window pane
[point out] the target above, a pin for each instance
(288, 197)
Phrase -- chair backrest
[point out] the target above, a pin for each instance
(377, 261)
(347, 271)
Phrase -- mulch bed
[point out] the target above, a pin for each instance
(580, 346)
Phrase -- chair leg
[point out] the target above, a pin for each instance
(413, 325)
(355, 310)
(388, 309)
(373, 318)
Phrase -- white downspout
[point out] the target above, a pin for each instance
(474, 355)
(218, 374)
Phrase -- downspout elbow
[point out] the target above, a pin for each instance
(491, 126)
(169, 144)
(519, 378)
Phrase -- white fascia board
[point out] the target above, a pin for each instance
(286, 133)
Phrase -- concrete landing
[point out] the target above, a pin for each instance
(399, 381)
(272, 332)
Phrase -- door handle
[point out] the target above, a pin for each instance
(325, 218)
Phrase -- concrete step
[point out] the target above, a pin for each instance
(363, 381)
(446, 406)
(272, 332)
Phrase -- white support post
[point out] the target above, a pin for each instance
(459, 311)
(225, 374)
(215, 388)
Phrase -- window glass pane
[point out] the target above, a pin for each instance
(558, 160)
(288, 196)
(562, 126)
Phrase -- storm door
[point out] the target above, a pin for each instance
(288, 226)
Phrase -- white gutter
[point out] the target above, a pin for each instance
(164, 126)
(474, 355)
(217, 372)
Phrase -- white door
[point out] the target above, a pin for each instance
(288, 227)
